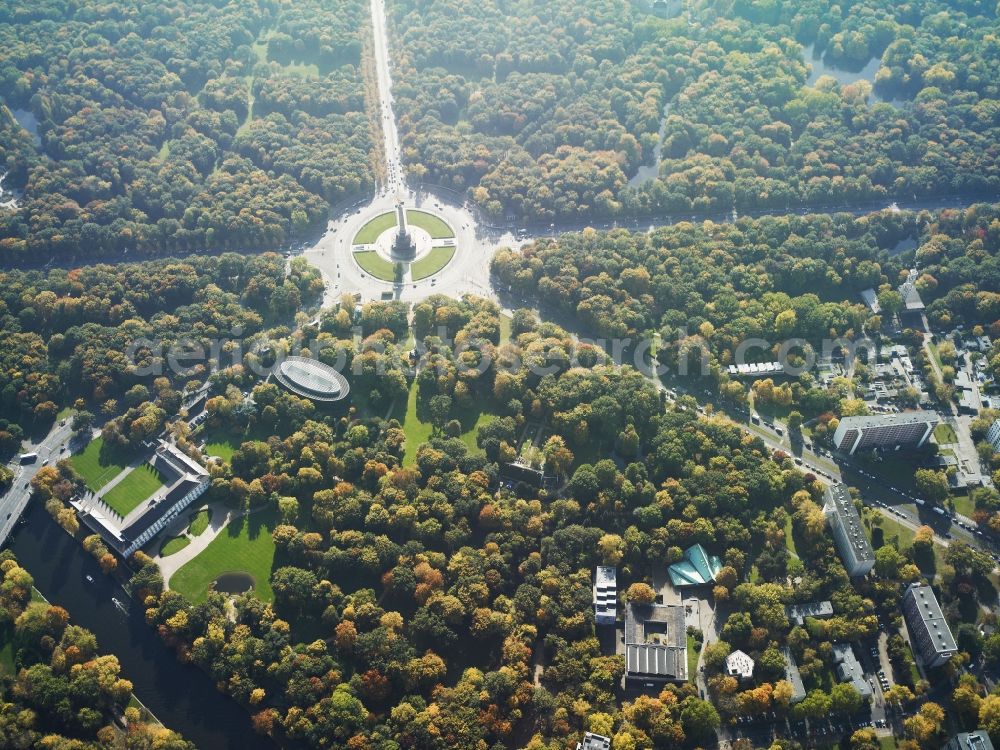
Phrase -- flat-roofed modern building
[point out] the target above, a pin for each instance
(978, 740)
(912, 303)
(311, 379)
(184, 481)
(655, 643)
(798, 613)
(605, 595)
(908, 428)
(853, 546)
(739, 665)
(929, 632)
(849, 669)
(793, 676)
(593, 741)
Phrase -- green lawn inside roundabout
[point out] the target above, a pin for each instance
(437, 228)
(374, 228)
(376, 265)
(433, 236)
(431, 263)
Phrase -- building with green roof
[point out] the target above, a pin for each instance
(698, 568)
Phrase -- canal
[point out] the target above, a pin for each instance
(182, 696)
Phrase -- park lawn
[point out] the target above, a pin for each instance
(901, 537)
(417, 432)
(437, 228)
(173, 544)
(789, 539)
(7, 651)
(259, 49)
(935, 355)
(375, 264)
(692, 656)
(244, 546)
(98, 465)
(199, 522)
(303, 70)
(431, 263)
(945, 433)
(895, 533)
(221, 444)
(137, 486)
(506, 326)
(374, 228)
(964, 505)
(469, 436)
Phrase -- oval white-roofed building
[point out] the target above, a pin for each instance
(312, 379)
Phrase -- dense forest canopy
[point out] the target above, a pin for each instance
(546, 109)
(70, 335)
(178, 126)
(708, 288)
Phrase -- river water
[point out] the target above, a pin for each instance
(181, 696)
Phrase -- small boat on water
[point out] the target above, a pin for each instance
(117, 602)
(90, 578)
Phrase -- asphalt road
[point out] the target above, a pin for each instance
(15, 499)
(393, 154)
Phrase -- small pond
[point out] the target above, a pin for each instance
(843, 76)
(234, 583)
(27, 120)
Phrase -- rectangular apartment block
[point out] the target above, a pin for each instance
(929, 632)
(910, 428)
(852, 544)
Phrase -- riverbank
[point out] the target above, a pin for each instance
(182, 696)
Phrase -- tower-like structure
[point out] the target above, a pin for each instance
(403, 248)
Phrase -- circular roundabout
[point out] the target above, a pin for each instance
(404, 245)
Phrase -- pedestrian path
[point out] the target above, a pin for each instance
(221, 516)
